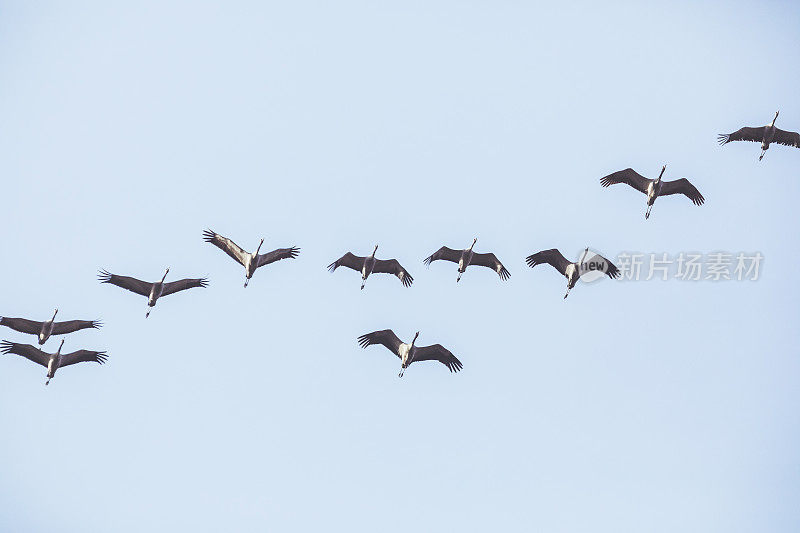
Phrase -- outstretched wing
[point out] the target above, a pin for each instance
(611, 269)
(744, 134)
(445, 254)
(682, 186)
(385, 337)
(23, 325)
(490, 260)
(787, 138)
(182, 285)
(68, 326)
(27, 351)
(552, 257)
(348, 260)
(83, 356)
(226, 245)
(277, 255)
(437, 352)
(131, 284)
(627, 176)
(392, 266)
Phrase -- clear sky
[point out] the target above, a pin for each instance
(657, 406)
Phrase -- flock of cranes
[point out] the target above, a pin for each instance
(366, 266)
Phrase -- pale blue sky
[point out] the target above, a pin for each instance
(333, 126)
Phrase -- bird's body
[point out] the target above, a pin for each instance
(409, 352)
(55, 360)
(44, 330)
(155, 293)
(152, 291)
(368, 265)
(465, 258)
(766, 135)
(250, 261)
(654, 188)
(572, 271)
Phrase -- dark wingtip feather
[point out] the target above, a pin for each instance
(101, 357)
(6, 346)
(104, 276)
(294, 251)
(204, 282)
(97, 324)
(427, 261)
(209, 235)
(531, 260)
(613, 271)
(723, 138)
(407, 280)
(364, 340)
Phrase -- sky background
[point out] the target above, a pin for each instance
(127, 129)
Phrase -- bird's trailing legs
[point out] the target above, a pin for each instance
(402, 369)
(647, 215)
(363, 282)
(459, 276)
(246, 281)
(149, 308)
(568, 289)
(47, 382)
(762, 155)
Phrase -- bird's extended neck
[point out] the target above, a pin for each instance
(259, 247)
(774, 119)
(473, 243)
(164, 276)
(662, 173)
(414, 340)
(585, 253)
(58, 352)
(374, 251)
(54, 316)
